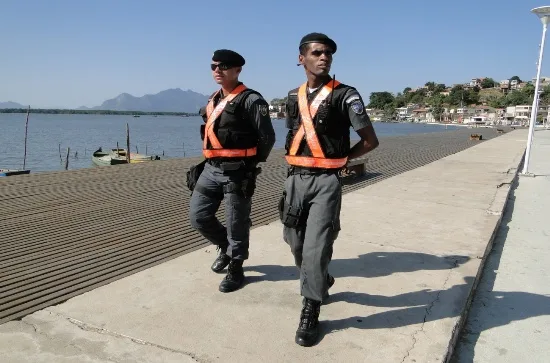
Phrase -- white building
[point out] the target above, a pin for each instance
(522, 113)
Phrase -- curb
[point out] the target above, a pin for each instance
(498, 206)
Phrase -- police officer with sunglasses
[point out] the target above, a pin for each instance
(320, 114)
(237, 135)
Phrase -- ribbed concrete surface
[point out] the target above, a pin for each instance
(65, 233)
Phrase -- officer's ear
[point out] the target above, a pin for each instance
(239, 69)
(300, 60)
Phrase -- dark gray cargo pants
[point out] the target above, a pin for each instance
(312, 244)
(203, 208)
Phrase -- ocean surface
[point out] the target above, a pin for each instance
(166, 136)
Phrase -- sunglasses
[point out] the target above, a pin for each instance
(317, 53)
(221, 66)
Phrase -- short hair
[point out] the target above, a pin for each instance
(304, 48)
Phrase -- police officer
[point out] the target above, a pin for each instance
(237, 135)
(319, 116)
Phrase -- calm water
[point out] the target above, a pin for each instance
(169, 135)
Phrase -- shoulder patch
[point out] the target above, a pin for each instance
(357, 107)
(352, 98)
(263, 110)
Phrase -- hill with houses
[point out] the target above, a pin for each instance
(480, 99)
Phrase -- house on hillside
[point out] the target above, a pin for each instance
(277, 111)
(419, 114)
(404, 113)
(476, 82)
(505, 86)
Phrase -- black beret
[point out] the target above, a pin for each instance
(229, 57)
(318, 38)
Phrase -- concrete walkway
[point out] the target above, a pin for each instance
(509, 319)
(409, 251)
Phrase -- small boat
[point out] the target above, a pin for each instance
(113, 157)
(11, 172)
(118, 156)
(140, 158)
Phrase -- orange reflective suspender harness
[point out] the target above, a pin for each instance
(209, 135)
(307, 130)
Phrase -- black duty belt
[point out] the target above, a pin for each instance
(227, 164)
(293, 170)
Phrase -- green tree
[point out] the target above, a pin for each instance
(545, 96)
(437, 111)
(515, 98)
(529, 90)
(497, 101)
(457, 95)
(488, 83)
(472, 96)
(436, 103)
(278, 101)
(399, 100)
(430, 85)
(407, 89)
(389, 111)
(515, 78)
(440, 87)
(380, 99)
(418, 98)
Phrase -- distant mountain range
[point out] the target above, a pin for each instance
(170, 100)
(10, 104)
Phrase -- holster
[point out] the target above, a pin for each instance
(231, 165)
(246, 186)
(193, 174)
(292, 217)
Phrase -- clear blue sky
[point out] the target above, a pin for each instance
(69, 53)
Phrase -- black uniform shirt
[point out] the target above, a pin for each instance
(351, 104)
(257, 109)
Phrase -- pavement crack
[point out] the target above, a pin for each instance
(429, 310)
(32, 326)
(504, 183)
(498, 211)
(91, 328)
(36, 330)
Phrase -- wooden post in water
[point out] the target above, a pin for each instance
(128, 142)
(26, 129)
(60, 157)
(145, 148)
(67, 158)
(117, 149)
(137, 150)
(183, 149)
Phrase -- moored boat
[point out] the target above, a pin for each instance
(140, 158)
(118, 156)
(113, 157)
(11, 172)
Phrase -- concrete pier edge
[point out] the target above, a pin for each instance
(497, 208)
(403, 294)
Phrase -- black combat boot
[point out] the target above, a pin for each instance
(308, 330)
(221, 261)
(234, 278)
